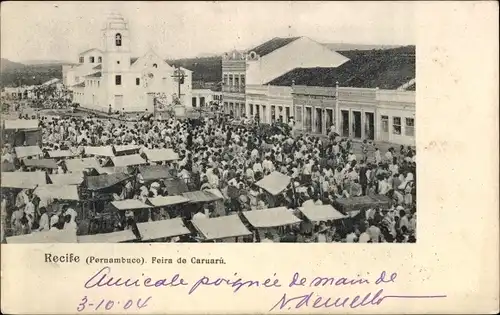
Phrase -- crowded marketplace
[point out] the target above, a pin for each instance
(98, 179)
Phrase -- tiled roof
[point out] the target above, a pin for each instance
(132, 60)
(95, 75)
(386, 69)
(272, 45)
(81, 84)
(98, 67)
(86, 51)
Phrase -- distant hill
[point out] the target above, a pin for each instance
(45, 62)
(18, 74)
(7, 65)
(205, 69)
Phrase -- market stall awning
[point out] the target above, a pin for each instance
(216, 192)
(67, 179)
(60, 153)
(126, 148)
(63, 192)
(22, 152)
(129, 204)
(79, 165)
(112, 170)
(274, 183)
(155, 172)
(113, 237)
(175, 186)
(100, 151)
(25, 180)
(159, 155)
(40, 163)
(21, 124)
(271, 217)
(161, 201)
(200, 196)
(362, 203)
(52, 237)
(163, 228)
(104, 181)
(128, 160)
(321, 213)
(221, 227)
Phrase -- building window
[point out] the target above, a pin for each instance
(385, 123)
(99, 59)
(193, 101)
(242, 80)
(396, 125)
(137, 81)
(251, 110)
(236, 81)
(410, 127)
(118, 62)
(81, 59)
(118, 39)
(226, 82)
(118, 80)
(155, 65)
(91, 59)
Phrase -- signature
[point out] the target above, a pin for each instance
(318, 301)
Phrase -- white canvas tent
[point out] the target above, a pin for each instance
(274, 183)
(318, 213)
(113, 237)
(272, 217)
(160, 155)
(25, 180)
(221, 227)
(163, 228)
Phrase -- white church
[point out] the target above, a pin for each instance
(109, 77)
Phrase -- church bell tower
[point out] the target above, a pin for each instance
(116, 58)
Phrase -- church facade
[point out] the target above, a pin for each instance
(108, 77)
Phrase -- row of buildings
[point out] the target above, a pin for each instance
(362, 94)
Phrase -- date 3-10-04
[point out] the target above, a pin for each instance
(108, 305)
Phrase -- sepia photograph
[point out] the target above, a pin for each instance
(207, 122)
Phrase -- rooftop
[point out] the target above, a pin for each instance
(95, 75)
(386, 69)
(272, 45)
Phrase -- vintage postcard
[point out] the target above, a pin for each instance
(144, 143)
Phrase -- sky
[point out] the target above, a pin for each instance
(59, 30)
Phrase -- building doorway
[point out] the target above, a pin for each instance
(345, 123)
(202, 101)
(369, 126)
(329, 120)
(319, 120)
(356, 124)
(193, 101)
(287, 113)
(118, 102)
(308, 120)
(384, 132)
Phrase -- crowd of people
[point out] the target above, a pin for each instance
(214, 153)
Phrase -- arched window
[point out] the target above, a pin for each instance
(155, 65)
(118, 39)
(99, 59)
